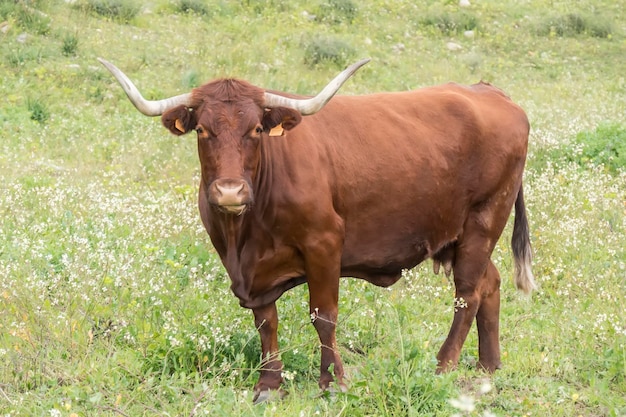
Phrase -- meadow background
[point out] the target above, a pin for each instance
(112, 300)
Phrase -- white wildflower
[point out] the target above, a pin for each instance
(463, 403)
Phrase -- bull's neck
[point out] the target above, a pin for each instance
(231, 228)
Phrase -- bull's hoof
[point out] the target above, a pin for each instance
(268, 395)
(332, 390)
(489, 367)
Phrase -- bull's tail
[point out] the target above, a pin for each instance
(520, 243)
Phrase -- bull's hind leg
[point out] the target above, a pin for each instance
(324, 319)
(466, 303)
(324, 308)
(476, 296)
(488, 321)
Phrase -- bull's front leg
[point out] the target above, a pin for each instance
(266, 322)
(323, 270)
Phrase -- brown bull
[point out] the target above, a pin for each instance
(365, 188)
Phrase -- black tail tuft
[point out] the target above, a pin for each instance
(520, 243)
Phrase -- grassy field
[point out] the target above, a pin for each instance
(113, 302)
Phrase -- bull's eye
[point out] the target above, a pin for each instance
(259, 130)
(202, 132)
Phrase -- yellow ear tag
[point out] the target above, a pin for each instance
(179, 125)
(277, 130)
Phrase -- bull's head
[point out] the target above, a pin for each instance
(230, 117)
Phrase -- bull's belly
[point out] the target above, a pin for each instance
(381, 260)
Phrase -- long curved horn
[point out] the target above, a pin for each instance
(315, 104)
(147, 107)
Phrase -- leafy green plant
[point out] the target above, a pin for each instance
(38, 110)
(70, 44)
(606, 145)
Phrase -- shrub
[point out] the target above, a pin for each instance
(26, 16)
(192, 6)
(120, 10)
(191, 79)
(573, 24)
(19, 56)
(450, 23)
(336, 11)
(321, 49)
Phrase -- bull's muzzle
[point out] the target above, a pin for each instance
(230, 196)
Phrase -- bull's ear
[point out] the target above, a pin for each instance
(278, 118)
(179, 120)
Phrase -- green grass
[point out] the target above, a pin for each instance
(114, 302)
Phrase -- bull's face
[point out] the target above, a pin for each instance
(230, 136)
